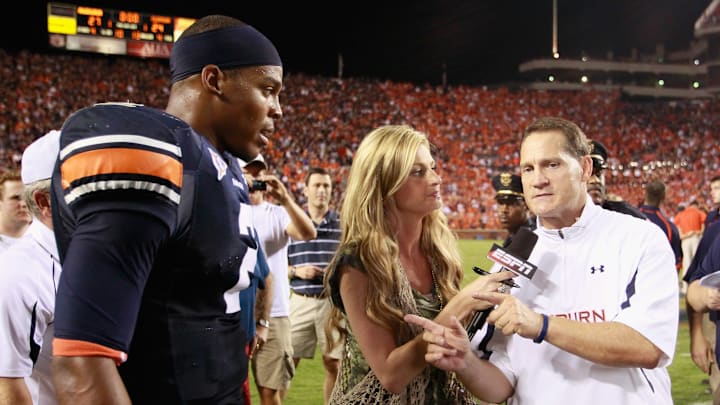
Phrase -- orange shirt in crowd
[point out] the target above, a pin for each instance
(691, 219)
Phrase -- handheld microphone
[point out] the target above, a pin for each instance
(513, 258)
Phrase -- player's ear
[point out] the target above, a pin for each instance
(211, 77)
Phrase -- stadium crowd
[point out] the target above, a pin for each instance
(476, 129)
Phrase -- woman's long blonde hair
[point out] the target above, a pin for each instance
(380, 166)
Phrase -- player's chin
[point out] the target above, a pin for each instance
(247, 151)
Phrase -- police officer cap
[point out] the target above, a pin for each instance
(599, 154)
(507, 187)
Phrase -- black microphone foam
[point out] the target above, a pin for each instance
(514, 256)
(523, 243)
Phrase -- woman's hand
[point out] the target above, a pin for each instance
(464, 304)
(446, 346)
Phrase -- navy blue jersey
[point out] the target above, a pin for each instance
(153, 235)
(668, 227)
(706, 242)
(712, 217)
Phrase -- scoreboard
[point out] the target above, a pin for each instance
(126, 32)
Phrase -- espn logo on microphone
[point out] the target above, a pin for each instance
(510, 262)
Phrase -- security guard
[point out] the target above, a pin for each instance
(511, 209)
(596, 186)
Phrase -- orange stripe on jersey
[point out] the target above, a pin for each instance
(121, 160)
(73, 348)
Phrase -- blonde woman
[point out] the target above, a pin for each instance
(397, 255)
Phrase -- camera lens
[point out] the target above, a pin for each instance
(258, 185)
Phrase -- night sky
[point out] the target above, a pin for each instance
(479, 41)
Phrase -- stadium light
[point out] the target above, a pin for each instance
(696, 84)
(584, 79)
(661, 82)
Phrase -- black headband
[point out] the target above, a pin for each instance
(225, 47)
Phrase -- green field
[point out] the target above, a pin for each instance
(687, 381)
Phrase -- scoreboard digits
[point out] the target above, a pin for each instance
(104, 30)
(120, 24)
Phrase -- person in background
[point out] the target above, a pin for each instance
(702, 328)
(309, 306)
(14, 215)
(255, 309)
(154, 229)
(397, 255)
(272, 363)
(598, 321)
(256, 299)
(654, 197)
(691, 224)
(512, 212)
(29, 271)
(714, 214)
(704, 299)
(596, 185)
(702, 324)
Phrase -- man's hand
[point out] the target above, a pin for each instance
(712, 298)
(259, 340)
(702, 353)
(308, 272)
(512, 316)
(276, 189)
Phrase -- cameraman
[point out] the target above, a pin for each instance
(275, 225)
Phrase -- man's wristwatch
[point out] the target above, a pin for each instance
(264, 323)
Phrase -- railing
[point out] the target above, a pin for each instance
(495, 234)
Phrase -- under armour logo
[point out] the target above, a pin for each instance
(601, 269)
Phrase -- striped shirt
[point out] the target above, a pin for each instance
(317, 252)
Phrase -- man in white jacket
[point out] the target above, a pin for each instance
(29, 273)
(597, 323)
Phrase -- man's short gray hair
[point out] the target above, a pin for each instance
(40, 185)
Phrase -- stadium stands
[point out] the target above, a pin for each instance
(476, 129)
